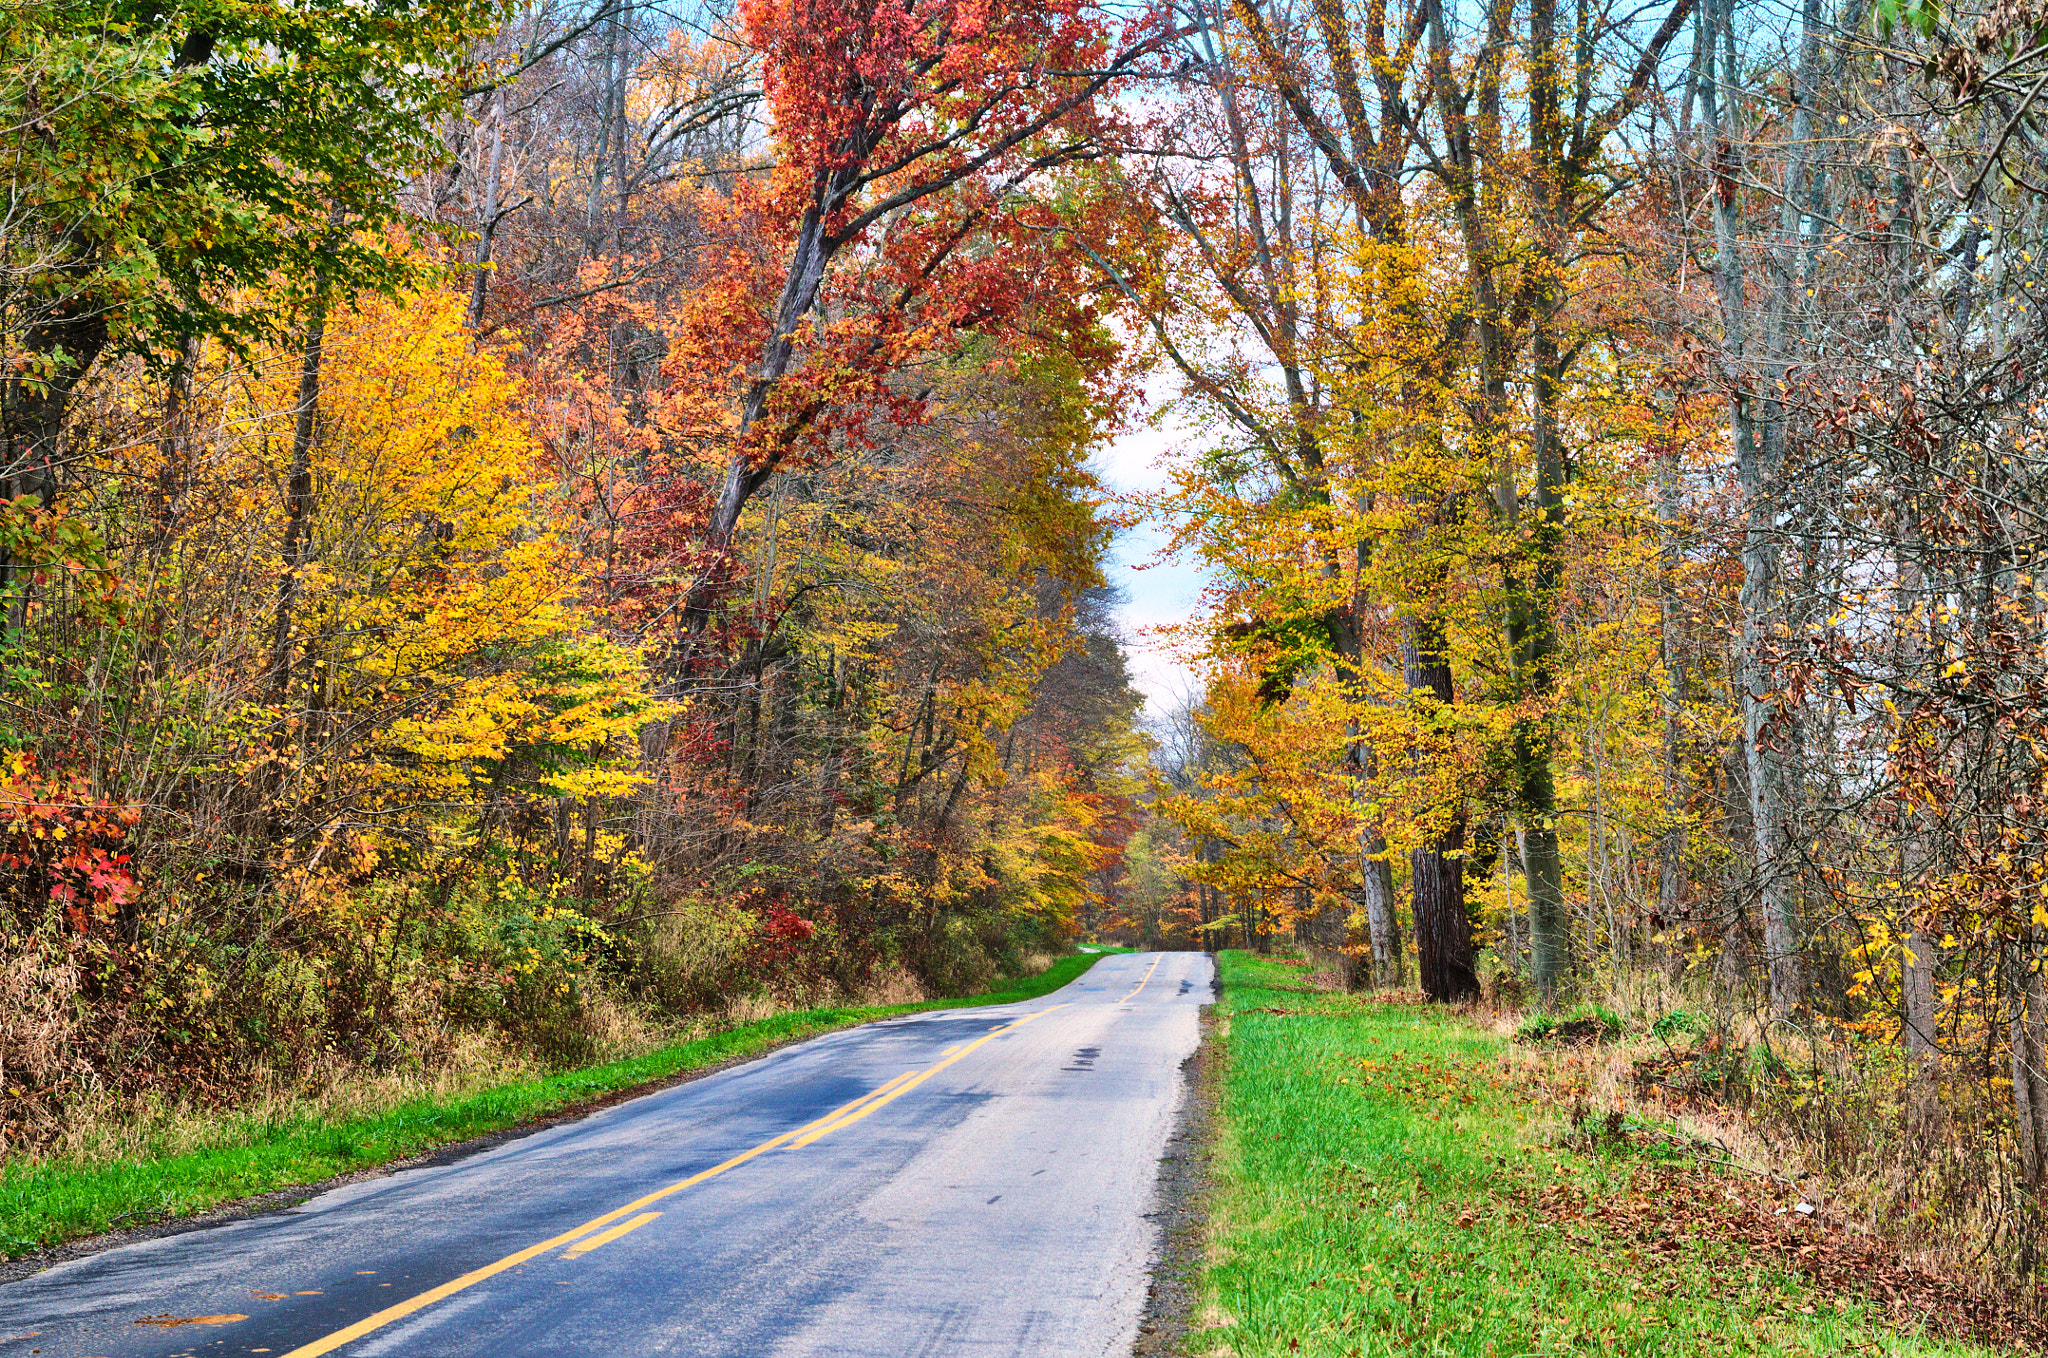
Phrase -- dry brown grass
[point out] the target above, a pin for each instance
(1827, 1113)
(99, 1127)
(896, 985)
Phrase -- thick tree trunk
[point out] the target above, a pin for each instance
(1443, 931)
(1383, 921)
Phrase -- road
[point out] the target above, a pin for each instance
(968, 1181)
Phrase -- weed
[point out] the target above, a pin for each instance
(1677, 1023)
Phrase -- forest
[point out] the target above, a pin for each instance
(527, 523)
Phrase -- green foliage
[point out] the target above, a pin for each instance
(1922, 16)
(168, 161)
(60, 550)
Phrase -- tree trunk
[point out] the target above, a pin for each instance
(1671, 844)
(298, 497)
(1918, 1014)
(1532, 639)
(1382, 920)
(1754, 684)
(1376, 876)
(1918, 1019)
(174, 447)
(53, 359)
(2028, 1033)
(487, 224)
(1443, 931)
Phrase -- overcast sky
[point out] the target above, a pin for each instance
(1164, 592)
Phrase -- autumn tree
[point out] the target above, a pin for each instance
(167, 161)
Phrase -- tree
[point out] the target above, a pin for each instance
(905, 134)
(167, 164)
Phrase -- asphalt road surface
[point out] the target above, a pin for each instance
(972, 1181)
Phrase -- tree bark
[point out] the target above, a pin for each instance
(299, 488)
(487, 225)
(1382, 921)
(1754, 673)
(1532, 640)
(1443, 931)
(2028, 1036)
(1671, 845)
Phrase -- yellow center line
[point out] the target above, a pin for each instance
(910, 1082)
(1134, 989)
(583, 1247)
(866, 1103)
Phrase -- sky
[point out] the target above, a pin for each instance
(1165, 591)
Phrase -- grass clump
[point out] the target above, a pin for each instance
(1588, 1025)
(1678, 1023)
(46, 1202)
(1385, 1186)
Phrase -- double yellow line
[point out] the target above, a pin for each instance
(1125, 1000)
(843, 1116)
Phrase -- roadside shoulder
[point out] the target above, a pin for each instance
(1181, 1205)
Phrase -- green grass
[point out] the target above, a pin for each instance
(46, 1203)
(1587, 1022)
(1371, 1157)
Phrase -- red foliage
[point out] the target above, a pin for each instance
(61, 846)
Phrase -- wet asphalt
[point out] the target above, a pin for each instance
(991, 1199)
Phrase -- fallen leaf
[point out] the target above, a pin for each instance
(169, 1320)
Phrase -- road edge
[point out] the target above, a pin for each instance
(283, 1199)
(1181, 1196)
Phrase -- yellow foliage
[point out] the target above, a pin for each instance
(435, 626)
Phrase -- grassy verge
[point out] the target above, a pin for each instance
(1384, 1187)
(43, 1204)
